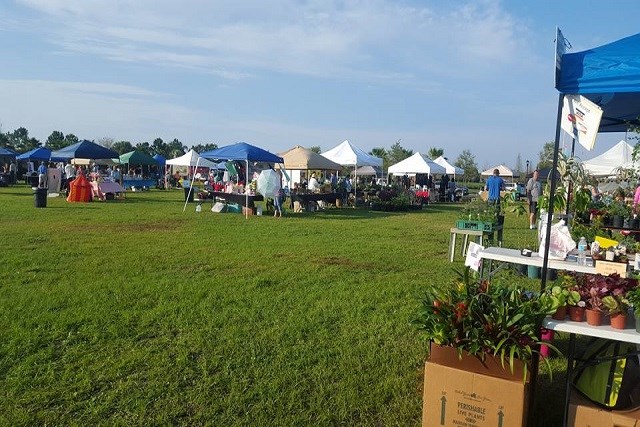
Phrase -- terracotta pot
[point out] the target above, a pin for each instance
(560, 313)
(619, 321)
(594, 317)
(576, 313)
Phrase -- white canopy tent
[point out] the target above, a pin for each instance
(192, 158)
(606, 163)
(504, 171)
(418, 163)
(451, 169)
(347, 154)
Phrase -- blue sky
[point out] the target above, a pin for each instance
(474, 75)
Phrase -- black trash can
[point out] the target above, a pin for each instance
(40, 197)
(188, 194)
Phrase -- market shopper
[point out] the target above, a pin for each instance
(533, 192)
(42, 175)
(494, 185)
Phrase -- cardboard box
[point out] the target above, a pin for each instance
(469, 393)
(584, 413)
(248, 211)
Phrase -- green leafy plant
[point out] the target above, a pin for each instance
(633, 299)
(616, 304)
(484, 319)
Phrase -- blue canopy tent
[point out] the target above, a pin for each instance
(84, 150)
(40, 153)
(609, 76)
(161, 160)
(242, 151)
(6, 152)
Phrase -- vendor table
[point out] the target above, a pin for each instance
(513, 256)
(138, 183)
(479, 236)
(315, 197)
(582, 328)
(240, 199)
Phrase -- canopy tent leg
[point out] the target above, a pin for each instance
(246, 191)
(190, 188)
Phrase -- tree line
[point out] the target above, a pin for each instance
(20, 141)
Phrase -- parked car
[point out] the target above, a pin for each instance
(518, 187)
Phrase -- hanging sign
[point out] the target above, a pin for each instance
(473, 259)
(581, 119)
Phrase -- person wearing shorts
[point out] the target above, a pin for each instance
(533, 192)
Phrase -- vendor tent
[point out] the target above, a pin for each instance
(347, 154)
(300, 158)
(504, 171)
(246, 152)
(6, 152)
(418, 163)
(451, 169)
(160, 159)
(39, 153)
(137, 158)
(191, 158)
(83, 150)
(365, 171)
(606, 163)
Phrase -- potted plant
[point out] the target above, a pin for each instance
(593, 288)
(617, 306)
(618, 211)
(557, 299)
(576, 306)
(485, 320)
(633, 298)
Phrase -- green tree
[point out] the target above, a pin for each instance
(316, 149)
(397, 153)
(467, 161)
(21, 141)
(56, 141)
(546, 156)
(435, 152)
(159, 147)
(383, 154)
(201, 148)
(122, 147)
(4, 141)
(144, 147)
(70, 139)
(176, 149)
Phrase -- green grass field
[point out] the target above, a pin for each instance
(134, 312)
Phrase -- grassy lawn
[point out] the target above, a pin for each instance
(135, 312)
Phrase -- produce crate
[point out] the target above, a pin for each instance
(475, 225)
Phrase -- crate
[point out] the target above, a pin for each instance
(475, 225)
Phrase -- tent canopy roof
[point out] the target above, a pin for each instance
(242, 151)
(190, 158)
(418, 163)
(606, 163)
(365, 171)
(300, 158)
(609, 76)
(448, 166)
(6, 152)
(504, 171)
(346, 154)
(84, 150)
(40, 153)
(136, 157)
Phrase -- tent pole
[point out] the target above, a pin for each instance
(545, 263)
(246, 191)
(190, 187)
(355, 185)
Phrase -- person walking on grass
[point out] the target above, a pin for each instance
(533, 192)
(494, 186)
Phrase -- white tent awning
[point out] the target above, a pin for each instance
(346, 154)
(418, 163)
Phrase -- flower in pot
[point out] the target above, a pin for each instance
(617, 307)
(485, 320)
(576, 306)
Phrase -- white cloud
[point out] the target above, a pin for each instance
(373, 39)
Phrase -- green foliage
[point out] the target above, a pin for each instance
(467, 162)
(482, 319)
(435, 152)
(633, 298)
(477, 210)
(546, 156)
(55, 141)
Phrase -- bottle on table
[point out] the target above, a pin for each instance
(582, 251)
